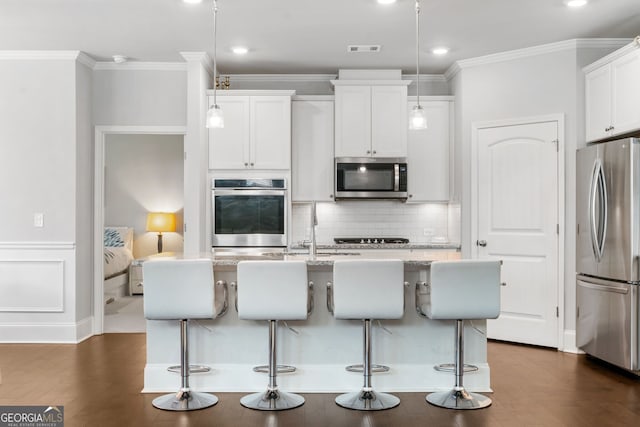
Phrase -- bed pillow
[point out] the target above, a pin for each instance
(118, 237)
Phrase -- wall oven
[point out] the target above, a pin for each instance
(371, 178)
(249, 212)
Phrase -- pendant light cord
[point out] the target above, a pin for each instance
(418, 53)
(215, 65)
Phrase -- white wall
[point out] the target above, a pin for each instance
(130, 96)
(546, 83)
(45, 153)
(144, 173)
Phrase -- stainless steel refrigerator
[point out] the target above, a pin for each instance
(608, 251)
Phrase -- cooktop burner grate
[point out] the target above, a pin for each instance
(368, 240)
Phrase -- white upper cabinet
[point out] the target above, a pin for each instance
(429, 153)
(612, 90)
(256, 133)
(312, 149)
(370, 119)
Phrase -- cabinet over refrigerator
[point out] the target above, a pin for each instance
(608, 251)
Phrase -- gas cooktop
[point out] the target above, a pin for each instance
(369, 240)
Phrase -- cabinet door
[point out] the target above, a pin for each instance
(270, 132)
(389, 123)
(353, 121)
(598, 103)
(229, 146)
(625, 81)
(312, 150)
(428, 159)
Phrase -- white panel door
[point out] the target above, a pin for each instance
(625, 81)
(270, 132)
(389, 123)
(517, 188)
(598, 103)
(353, 121)
(312, 151)
(229, 146)
(428, 154)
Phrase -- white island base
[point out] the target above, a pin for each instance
(320, 351)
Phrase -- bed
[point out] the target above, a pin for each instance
(118, 254)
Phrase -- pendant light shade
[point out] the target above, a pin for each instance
(215, 117)
(417, 117)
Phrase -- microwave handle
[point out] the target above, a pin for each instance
(396, 177)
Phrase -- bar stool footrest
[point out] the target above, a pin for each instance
(185, 401)
(272, 400)
(360, 368)
(281, 369)
(193, 369)
(458, 399)
(451, 367)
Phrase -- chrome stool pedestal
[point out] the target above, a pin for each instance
(367, 399)
(272, 399)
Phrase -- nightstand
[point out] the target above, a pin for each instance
(136, 286)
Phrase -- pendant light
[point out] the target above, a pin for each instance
(417, 117)
(215, 117)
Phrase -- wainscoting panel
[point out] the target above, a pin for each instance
(31, 285)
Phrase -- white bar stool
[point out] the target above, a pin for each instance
(367, 289)
(181, 289)
(272, 290)
(462, 290)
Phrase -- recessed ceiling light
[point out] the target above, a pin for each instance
(192, 1)
(576, 3)
(239, 50)
(386, 1)
(119, 59)
(440, 50)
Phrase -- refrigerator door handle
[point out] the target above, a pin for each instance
(603, 287)
(604, 209)
(593, 188)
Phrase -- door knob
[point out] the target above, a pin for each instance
(482, 243)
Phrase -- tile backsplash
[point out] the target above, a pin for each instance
(420, 223)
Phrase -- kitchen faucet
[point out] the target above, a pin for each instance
(312, 239)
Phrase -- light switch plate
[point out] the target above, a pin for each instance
(38, 219)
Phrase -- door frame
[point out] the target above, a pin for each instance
(476, 127)
(101, 133)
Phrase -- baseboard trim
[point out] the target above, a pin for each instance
(46, 333)
(569, 344)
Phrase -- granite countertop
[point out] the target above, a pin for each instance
(448, 246)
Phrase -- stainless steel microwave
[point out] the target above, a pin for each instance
(371, 178)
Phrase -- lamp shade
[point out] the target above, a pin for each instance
(161, 222)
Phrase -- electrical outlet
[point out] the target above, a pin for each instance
(38, 219)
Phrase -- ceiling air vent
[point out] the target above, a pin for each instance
(371, 48)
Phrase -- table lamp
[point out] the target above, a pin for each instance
(161, 222)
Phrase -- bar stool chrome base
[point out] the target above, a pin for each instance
(458, 399)
(272, 400)
(360, 368)
(367, 400)
(185, 400)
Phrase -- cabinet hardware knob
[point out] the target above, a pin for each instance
(368, 151)
(251, 164)
(482, 243)
(246, 164)
(331, 196)
(374, 151)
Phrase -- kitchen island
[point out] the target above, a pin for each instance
(321, 346)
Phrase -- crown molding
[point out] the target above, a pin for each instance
(141, 66)
(635, 44)
(201, 57)
(533, 51)
(438, 78)
(40, 54)
(281, 77)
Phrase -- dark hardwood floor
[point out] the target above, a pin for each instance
(99, 383)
